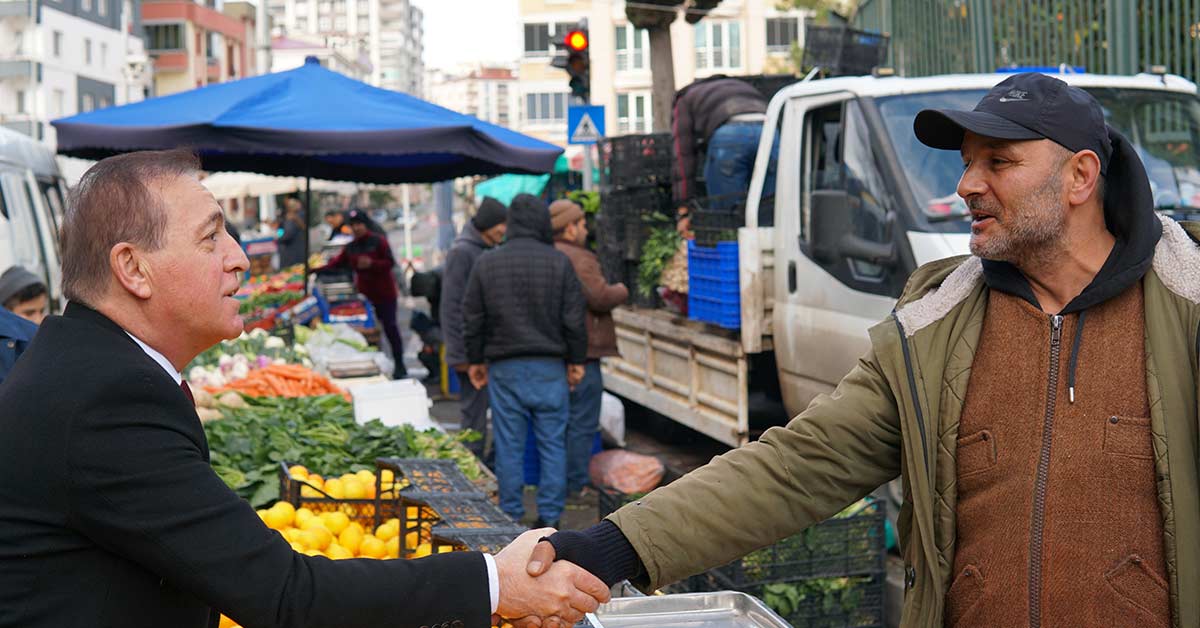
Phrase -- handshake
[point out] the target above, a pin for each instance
(536, 592)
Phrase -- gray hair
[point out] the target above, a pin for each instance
(116, 201)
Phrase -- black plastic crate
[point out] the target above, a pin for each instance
(769, 84)
(833, 548)
(843, 51)
(490, 540)
(633, 202)
(458, 511)
(637, 160)
(428, 476)
(369, 512)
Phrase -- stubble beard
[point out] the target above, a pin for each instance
(1034, 230)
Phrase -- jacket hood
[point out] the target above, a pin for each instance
(1130, 216)
(528, 217)
(470, 235)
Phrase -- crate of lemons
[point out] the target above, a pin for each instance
(338, 533)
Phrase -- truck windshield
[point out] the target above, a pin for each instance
(1164, 126)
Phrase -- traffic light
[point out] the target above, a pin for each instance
(575, 59)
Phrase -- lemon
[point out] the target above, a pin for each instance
(337, 552)
(393, 547)
(353, 488)
(313, 552)
(387, 531)
(386, 476)
(423, 550)
(316, 538)
(372, 547)
(335, 522)
(298, 547)
(262, 514)
(286, 512)
(292, 534)
(366, 477)
(226, 622)
(335, 488)
(412, 540)
(314, 522)
(351, 538)
(277, 519)
(298, 472)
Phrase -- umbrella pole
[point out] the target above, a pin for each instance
(307, 209)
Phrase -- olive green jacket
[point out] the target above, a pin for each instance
(897, 413)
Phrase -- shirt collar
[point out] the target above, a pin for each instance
(159, 358)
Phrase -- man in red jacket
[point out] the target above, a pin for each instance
(371, 259)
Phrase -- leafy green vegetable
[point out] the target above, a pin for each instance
(657, 252)
(589, 201)
(247, 444)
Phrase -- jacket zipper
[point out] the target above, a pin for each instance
(1043, 469)
(912, 388)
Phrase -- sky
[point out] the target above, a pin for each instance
(470, 31)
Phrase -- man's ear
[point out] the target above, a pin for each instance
(129, 267)
(1084, 177)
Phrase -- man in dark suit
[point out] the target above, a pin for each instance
(110, 514)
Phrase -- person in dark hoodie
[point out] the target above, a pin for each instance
(483, 231)
(526, 339)
(1039, 399)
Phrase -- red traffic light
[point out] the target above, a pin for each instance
(577, 41)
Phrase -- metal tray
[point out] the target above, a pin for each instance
(722, 609)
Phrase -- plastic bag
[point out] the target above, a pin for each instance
(341, 342)
(612, 420)
(626, 471)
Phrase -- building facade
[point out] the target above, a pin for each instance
(289, 53)
(488, 93)
(194, 44)
(740, 37)
(62, 57)
(389, 34)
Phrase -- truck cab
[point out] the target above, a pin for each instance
(858, 204)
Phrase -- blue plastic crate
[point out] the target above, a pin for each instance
(714, 293)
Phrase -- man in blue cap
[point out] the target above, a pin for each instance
(1039, 399)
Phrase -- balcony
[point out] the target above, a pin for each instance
(18, 69)
(17, 8)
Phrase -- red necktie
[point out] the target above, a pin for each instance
(187, 391)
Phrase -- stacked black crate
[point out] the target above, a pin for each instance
(636, 199)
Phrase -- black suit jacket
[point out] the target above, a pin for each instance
(110, 514)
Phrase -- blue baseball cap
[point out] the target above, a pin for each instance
(1028, 106)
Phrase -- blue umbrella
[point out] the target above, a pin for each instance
(313, 122)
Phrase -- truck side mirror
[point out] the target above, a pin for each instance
(833, 235)
(828, 221)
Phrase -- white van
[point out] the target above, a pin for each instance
(32, 195)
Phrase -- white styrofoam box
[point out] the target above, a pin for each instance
(399, 402)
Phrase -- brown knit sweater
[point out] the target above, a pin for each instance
(1058, 517)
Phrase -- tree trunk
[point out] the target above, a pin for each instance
(662, 76)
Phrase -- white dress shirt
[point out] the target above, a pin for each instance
(493, 575)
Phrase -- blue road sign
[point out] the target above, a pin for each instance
(585, 124)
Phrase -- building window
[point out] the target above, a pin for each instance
(58, 44)
(102, 7)
(87, 103)
(20, 101)
(718, 45)
(633, 113)
(301, 8)
(632, 46)
(537, 40)
(323, 24)
(301, 24)
(103, 55)
(211, 46)
(85, 6)
(781, 33)
(364, 25)
(164, 36)
(57, 103)
(325, 7)
(546, 107)
(87, 51)
(104, 102)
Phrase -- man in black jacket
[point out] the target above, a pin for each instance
(110, 514)
(483, 231)
(526, 341)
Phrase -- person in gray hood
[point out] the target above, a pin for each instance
(483, 231)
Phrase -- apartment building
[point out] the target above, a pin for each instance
(195, 44)
(62, 57)
(488, 93)
(289, 53)
(388, 34)
(740, 37)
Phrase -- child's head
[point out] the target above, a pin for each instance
(23, 293)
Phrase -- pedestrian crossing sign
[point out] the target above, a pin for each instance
(585, 124)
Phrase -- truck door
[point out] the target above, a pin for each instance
(836, 250)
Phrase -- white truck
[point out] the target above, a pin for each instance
(858, 204)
